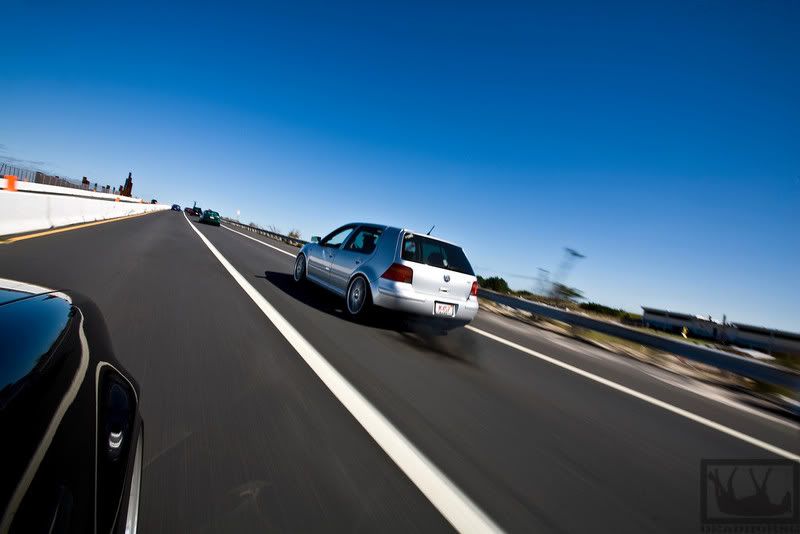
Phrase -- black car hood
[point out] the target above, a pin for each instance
(12, 291)
(55, 362)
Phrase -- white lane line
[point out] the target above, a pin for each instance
(259, 241)
(707, 392)
(451, 502)
(647, 398)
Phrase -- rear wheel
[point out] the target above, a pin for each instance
(358, 297)
(300, 268)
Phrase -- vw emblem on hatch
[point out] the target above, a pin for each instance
(447, 278)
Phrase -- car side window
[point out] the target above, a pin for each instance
(337, 237)
(409, 248)
(365, 240)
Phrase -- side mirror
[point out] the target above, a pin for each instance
(315, 239)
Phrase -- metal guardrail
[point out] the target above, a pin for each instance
(295, 242)
(739, 365)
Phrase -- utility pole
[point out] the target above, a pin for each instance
(570, 255)
(544, 281)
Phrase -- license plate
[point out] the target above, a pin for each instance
(443, 309)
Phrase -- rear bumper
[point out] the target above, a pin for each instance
(402, 297)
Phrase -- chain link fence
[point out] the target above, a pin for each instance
(39, 177)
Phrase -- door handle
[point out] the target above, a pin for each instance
(358, 262)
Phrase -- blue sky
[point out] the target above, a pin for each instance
(662, 140)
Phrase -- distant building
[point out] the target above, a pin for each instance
(767, 340)
(669, 321)
(127, 189)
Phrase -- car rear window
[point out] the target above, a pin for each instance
(423, 249)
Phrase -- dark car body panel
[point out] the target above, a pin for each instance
(56, 368)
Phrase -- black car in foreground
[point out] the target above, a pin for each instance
(71, 434)
(197, 211)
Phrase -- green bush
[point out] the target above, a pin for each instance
(495, 283)
(611, 312)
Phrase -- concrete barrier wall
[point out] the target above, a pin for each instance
(23, 211)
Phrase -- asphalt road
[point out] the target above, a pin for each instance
(242, 435)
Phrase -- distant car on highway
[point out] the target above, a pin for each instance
(188, 211)
(197, 211)
(175, 207)
(210, 217)
(69, 417)
(370, 264)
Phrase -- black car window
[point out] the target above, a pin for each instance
(423, 249)
(365, 240)
(337, 237)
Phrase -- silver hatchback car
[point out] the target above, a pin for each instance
(392, 268)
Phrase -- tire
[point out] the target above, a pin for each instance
(299, 274)
(358, 298)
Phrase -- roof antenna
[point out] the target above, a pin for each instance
(431, 230)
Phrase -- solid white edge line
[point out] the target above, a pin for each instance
(642, 396)
(705, 394)
(452, 503)
(259, 241)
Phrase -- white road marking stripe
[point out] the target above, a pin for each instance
(47, 439)
(259, 241)
(451, 502)
(647, 398)
(707, 392)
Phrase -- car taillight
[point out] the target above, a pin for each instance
(399, 273)
(474, 291)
